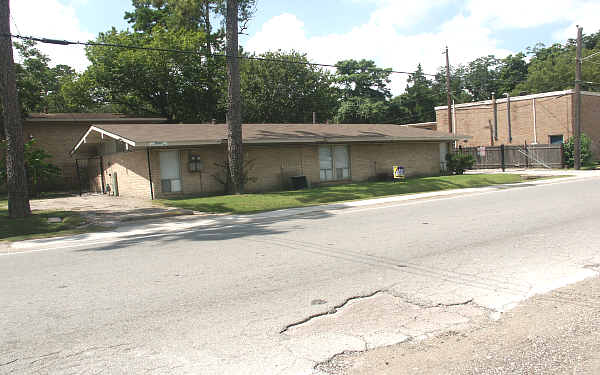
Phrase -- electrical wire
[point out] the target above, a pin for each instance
(590, 56)
(191, 52)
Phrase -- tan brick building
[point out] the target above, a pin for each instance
(188, 159)
(56, 133)
(540, 118)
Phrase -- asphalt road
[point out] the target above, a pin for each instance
(238, 298)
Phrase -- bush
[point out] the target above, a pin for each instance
(39, 172)
(569, 150)
(458, 163)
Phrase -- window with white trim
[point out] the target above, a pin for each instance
(334, 162)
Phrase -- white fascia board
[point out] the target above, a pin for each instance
(512, 99)
(101, 132)
(590, 93)
(156, 144)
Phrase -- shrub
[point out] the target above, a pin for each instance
(569, 150)
(458, 163)
(37, 169)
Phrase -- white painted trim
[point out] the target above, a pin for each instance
(516, 98)
(102, 133)
(590, 93)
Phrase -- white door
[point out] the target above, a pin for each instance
(443, 153)
(170, 177)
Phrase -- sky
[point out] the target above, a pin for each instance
(397, 34)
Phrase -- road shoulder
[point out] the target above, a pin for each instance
(554, 333)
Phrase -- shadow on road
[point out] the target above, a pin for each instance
(234, 228)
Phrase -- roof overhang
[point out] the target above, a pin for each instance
(304, 140)
(260, 141)
(103, 133)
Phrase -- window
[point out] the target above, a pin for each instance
(170, 179)
(556, 139)
(334, 162)
(194, 163)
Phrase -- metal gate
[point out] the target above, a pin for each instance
(513, 156)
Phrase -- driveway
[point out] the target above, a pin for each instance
(105, 210)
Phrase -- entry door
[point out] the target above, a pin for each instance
(170, 177)
(443, 153)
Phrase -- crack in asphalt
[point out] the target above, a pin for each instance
(333, 310)
(9, 362)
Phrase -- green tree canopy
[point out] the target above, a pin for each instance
(177, 86)
(280, 92)
(363, 79)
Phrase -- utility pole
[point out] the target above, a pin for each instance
(577, 123)
(448, 91)
(16, 177)
(235, 153)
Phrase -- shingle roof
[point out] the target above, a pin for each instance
(160, 135)
(91, 117)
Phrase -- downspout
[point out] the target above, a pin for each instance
(454, 121)
(150, 174)
(534, 125)
(102, 174)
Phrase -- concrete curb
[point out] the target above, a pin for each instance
(147, 230)
(159, 215)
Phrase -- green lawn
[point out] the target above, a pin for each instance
(250, 203)
(37, 225)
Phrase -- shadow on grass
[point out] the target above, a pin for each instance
(37, 224)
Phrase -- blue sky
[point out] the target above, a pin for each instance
(395, 33)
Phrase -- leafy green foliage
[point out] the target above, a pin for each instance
(38, 170)
(362, 79)
(418, 100)
(362, 111)
(177, 86)
(458, 162)
(585, 154)
(275, 92)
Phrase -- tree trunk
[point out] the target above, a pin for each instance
(16, 178)
(234, 111)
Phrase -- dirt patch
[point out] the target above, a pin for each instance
(106, 210)
(548, 334)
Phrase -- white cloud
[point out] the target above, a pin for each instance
(386, 37)
(381, 42)
(52, 19)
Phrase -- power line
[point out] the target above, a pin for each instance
(590, 56)
(191, 52)
(15, 23)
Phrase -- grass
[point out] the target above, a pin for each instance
(37, 226)
(251, 203)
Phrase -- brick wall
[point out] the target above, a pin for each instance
(271, 166)
(418, 159)
(132, 173)
(553, 117)
(57, 139)
(590, 121)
